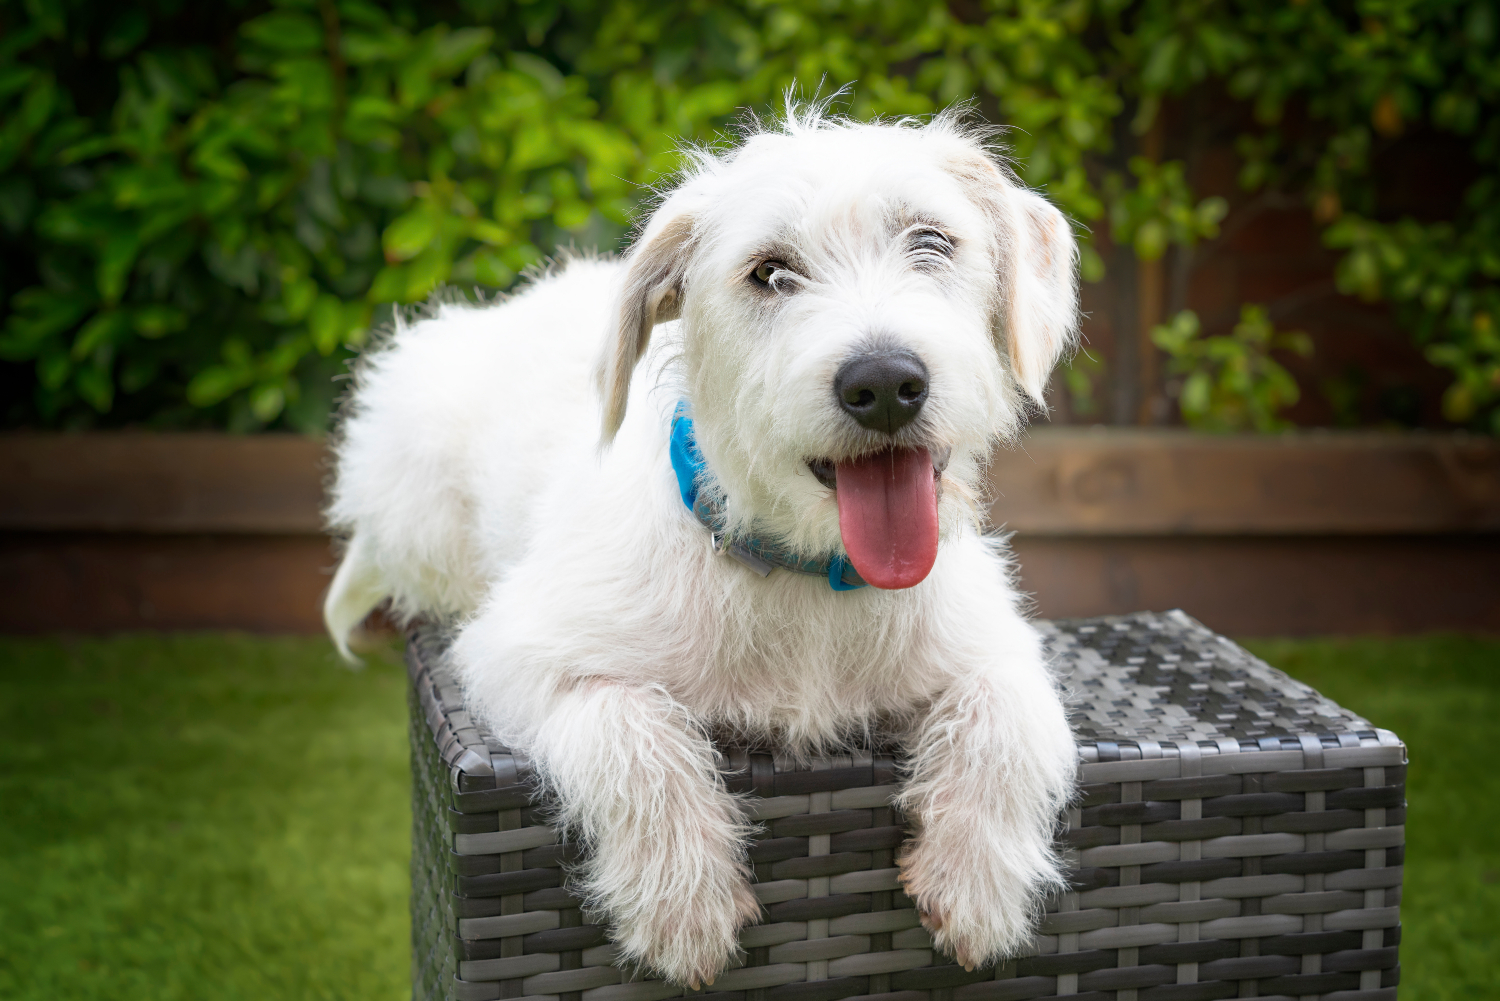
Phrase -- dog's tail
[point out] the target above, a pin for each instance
(357, 588)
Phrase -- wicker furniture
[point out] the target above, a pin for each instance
(1237, 835)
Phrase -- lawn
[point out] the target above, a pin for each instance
(192, 816)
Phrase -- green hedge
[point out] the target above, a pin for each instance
(205, 207)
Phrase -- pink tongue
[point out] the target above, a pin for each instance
(888, 516)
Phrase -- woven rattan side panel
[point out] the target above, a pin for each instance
(1237, 835)
(433, 963)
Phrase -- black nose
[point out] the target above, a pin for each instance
(883, 391)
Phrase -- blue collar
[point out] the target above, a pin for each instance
(760, 556)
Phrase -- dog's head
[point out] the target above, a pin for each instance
(865, 309)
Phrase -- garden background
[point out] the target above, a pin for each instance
(205, 208)
(1291, 222)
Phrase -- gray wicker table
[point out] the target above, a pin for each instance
(1237, 835)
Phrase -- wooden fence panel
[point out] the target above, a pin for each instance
(1295, 535)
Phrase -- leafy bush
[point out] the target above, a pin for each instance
(203, 206)
(226, 234)
(1231, 383)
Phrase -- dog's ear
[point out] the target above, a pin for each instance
(651, 293)
(1039, 319)
(1036, 314)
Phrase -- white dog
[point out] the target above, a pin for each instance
(838, 321)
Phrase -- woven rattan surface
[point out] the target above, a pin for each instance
(1236, 835)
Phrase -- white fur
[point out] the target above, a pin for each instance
(600, 633)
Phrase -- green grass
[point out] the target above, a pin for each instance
(226, 816)
(201, 816)
(1441, 695)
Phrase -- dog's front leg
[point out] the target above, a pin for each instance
(637, 783)
(993, 762)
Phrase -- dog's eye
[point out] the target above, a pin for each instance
(930, 241)
(766, 271)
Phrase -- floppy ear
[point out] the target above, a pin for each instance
(651, 293)
(1040, 287)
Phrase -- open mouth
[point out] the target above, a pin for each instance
(826, 470)
(888, 516)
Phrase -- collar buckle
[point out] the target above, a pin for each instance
(741, 553)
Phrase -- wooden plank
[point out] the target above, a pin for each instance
(171, 483)
(1268, 586)
(1057, 482)
(107, 582)
(1066, 481)
(1246, 586)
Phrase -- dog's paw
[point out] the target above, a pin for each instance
(976, 910)
(690, 941)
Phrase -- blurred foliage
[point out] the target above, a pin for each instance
(205, 207)
(212, 241)
(1231, 383)
(1081, 375)
(1159, 211)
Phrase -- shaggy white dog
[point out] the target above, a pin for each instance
(822, 334)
